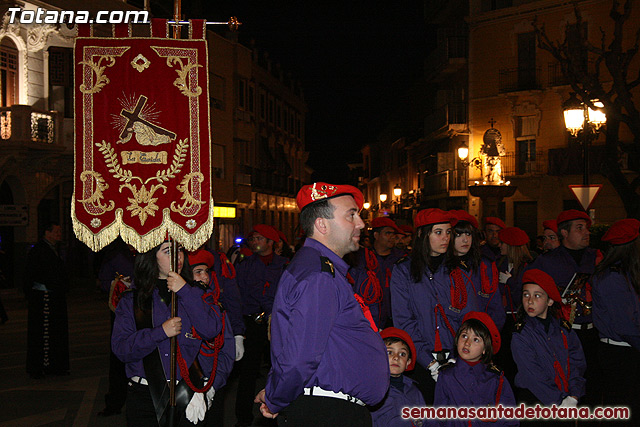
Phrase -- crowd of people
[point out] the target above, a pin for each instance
(364, 321)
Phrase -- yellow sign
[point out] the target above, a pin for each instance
(224, 212)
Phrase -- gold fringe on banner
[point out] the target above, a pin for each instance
(97, 241)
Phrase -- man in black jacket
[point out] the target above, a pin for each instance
(45, 286)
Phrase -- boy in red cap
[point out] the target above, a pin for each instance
(473, 380)
(402, 390)
(547, 351)
(575, 256)
(491, 247)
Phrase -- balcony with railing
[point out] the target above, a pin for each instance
(21, 124)
(452, 116)
(519, 79)
(448, 183)
(514, 165)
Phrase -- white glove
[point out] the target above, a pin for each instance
(239, 347)
(210, 393)
(196, 409)
(504, 277)
(433, 367)
(569, 402)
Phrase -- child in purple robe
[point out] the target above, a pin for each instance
(547, 351)
(402, 390)
(474, 381)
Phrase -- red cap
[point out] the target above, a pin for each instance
(495, 221)
(321, 190)
(399, 333)
(623, 231)
(282, 236)
(267, 231)
(513, 236)
(572, 214)
(466, 216)
(406, 229)
(434, 216)
(384, 221)
(543, 280)
(486, 320)
(551, 224)
(201, 256)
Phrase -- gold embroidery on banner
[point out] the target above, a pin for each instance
(181, 81)
(98, 68)
(140, 63)
(95, 198)
(179, 157)
(144, 157)
(142, 197)
(111, 159)
(189, 201)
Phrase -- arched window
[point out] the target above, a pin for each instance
(8, 73)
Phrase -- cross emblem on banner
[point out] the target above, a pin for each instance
(134, 116)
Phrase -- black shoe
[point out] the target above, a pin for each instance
(107, 412)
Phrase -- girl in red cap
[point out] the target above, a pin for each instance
(547, 351)
(469, 268)
(616, 314)
(474, 381)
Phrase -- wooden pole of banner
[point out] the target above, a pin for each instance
(177, 12)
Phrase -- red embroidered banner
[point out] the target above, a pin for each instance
(142, 141)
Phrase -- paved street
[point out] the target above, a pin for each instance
(73, 400)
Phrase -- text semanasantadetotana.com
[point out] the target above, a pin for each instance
(43, 16)
(521, 412)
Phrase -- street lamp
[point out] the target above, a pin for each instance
(383, 197)
(585, 122)
(397, 191)
(366, 205)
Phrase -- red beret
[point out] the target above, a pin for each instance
(201, 256)
(495, 221)
(551, 224)
(467, 217)
(384, 221)
(282, 236)
(513, 236)
(543, 280)
(434, 216)
(321, 191)
(623, 231)
(406, 229)
(572, 214)
(267, 231)
(399, 333)
(486, 320)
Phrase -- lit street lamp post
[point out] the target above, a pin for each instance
(584, 122)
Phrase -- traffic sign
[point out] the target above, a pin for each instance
(585, 194)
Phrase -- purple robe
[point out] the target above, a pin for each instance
(389, 412)
(472, 386)
(380, 311)
(535, 352)
(131, 345)
(258, 283)
(616, 308)
(319, 334)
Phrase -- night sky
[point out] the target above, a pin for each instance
(353, 58)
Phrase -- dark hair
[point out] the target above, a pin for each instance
(628, 258)
(474, 253)
(522, 316)
(392, 340)
(421, 255)
(309, 214)
(146, 271)
(49, 226)
(481, 330)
